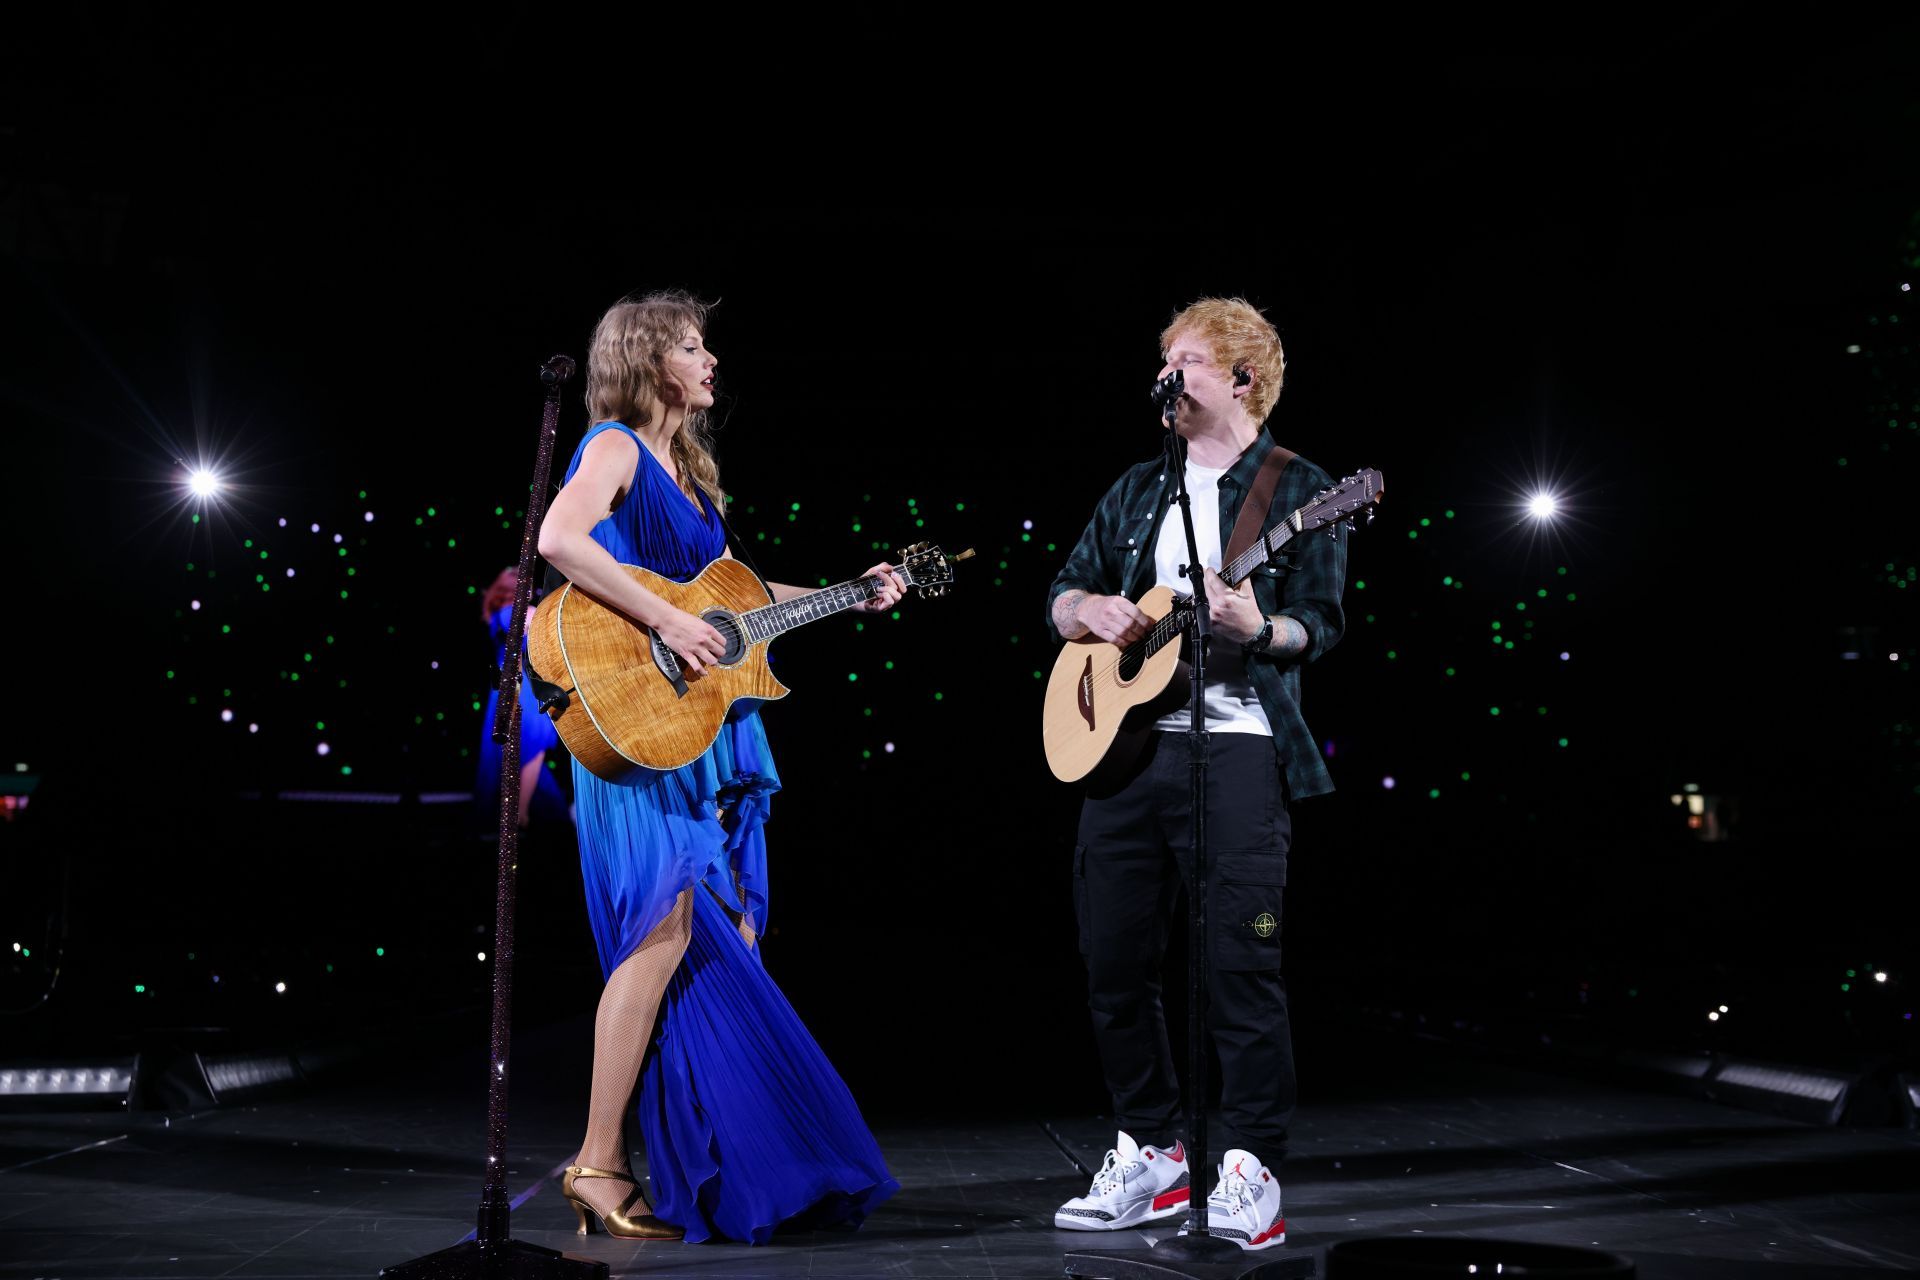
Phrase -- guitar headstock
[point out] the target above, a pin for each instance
(1343, 503)
(927, 569)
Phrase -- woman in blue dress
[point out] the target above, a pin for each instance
(540, 795)
(745, 1123)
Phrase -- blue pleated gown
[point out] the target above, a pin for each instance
(746, 1124)
(537, 734)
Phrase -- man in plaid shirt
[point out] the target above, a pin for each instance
(1133, 846)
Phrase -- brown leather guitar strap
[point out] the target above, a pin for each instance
(1253, 512)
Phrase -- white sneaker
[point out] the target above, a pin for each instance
(1245, 1206)
(1136, 1184)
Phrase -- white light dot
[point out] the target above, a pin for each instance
(1893, 657)
(323, 749)
(369, 517)
(1026, 524)
(1853, 349)
(1713, 1017)
(889, 748)
(283, 522)
(1387, 782)
(1565, 656)
(1905, 287)
(203, 483)
(289, 573)
(338, 538)
(1542, 506)
(280, 987)
(1879, 975)
(16, 946)
(316, 528)
(226, 716)
(196, 606)
(1723, 1009)
(480, 955)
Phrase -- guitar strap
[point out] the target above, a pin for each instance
(739, 550)
(1253, 512)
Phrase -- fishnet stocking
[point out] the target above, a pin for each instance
(622, 1031)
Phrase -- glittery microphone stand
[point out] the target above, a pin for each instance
(493, 1252)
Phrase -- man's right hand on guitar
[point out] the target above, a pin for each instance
(697, 643)
(1115, 619)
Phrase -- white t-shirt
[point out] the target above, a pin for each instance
(1232, 706)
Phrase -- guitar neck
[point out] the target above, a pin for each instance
(774, 619)
(1264, 548)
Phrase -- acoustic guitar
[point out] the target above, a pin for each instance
(1103, 699)
(616, 693)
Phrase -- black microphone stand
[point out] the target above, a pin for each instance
(493, 1252)
(1196, 1254)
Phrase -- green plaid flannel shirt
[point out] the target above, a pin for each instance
(1115, 557)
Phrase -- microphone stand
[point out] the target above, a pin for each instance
(1197, 1254)
(493, 1252)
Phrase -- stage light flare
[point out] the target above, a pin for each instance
(203, 482)
(1879, 975)
(280, 988)
(1542, 506)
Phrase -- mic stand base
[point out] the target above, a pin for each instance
(1189, 1258)
(508, 1260)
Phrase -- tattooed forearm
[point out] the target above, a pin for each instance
(1289, 637)
(1065, 606)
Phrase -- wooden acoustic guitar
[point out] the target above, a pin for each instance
(1102, 700)
(615, 691)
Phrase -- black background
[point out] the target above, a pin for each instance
(1623, 264)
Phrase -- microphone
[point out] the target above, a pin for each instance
(1167, 390)
(556, 370)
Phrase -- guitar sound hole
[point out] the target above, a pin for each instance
(731, 630)
(1131, 660)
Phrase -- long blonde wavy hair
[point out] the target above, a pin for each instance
(627, 377)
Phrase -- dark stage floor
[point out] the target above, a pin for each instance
(355, 1175)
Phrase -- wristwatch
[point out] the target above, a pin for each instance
(1261, 639)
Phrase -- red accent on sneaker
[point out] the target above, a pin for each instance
(1166, 1198)
(1277, 1230)
(1147, 1154)
(1179, 1153)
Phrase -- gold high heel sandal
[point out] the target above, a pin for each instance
(620, 1222)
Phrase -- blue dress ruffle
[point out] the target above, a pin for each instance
(537, 734)
(746, 1124)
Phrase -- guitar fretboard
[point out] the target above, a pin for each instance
(770, 620)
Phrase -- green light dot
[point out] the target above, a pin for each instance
(856, 528)
(379, 951)
(363, 493)
(343, 595)
(499, 511)
(1448, 514)
(306, 657)
(1449, 670)
(761, 536)
(889, 665)
(1562, 571)
(417, 520)
(1496, 626)
(139, 988)
(866, 755)
(1369, 617)
(320, 725)
(1845, 986)
(439, 715)
(859, 626)
(1466, 777)
(346, 770)
(295, 677)
(1542, 593)
(959, 506)
(1424, 522)
(248, 544)
(1852, 974)
(1521, 605)
(866, 711)
(1433, 794)
(1571, 597)
(1360, 586)
(1843, 462)
(1493, 710)
(1543, 711)
(449, 543)
(1413, 533)
(939, 697)
(329, 639)
(853, 675)
(1392, 654)
(895, 615)
(792, 516)
(432, 512)
(1563, 742)
(1446, 582)
(196, 517)
(796, 506)
(476, 705)
(169, 675)
(343, 552)
(1051, 546)
(1509, 644)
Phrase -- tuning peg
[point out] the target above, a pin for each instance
(962, 555)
